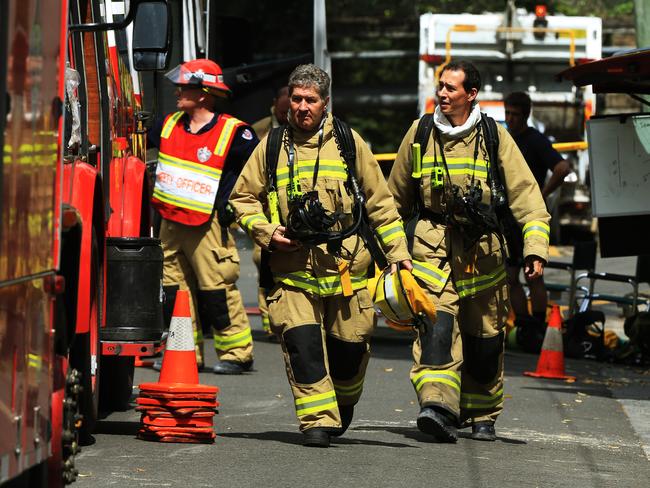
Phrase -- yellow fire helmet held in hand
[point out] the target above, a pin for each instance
(399, 298)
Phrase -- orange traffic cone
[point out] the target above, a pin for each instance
(177, 408)
(179, 361)
(551, 360)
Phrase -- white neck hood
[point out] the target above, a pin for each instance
(446, 129)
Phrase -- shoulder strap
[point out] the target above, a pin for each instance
(422, 135)
(345, 141)
(273, 145)
(491, 134)
(423, 132)
(169, 124)
(348, 150)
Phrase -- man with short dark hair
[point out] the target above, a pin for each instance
(541, 158)
(459, 256)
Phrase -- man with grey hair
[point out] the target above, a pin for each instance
(299, 198)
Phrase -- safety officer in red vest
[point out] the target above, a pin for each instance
(201, 154)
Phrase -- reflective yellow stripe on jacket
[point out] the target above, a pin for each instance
(169, 125)
(323, 286)
(457, 166)
(199, 174)
(316, 403)
(476, 284)
(536, 228)
(182, 202)
(189, 165)
(390, 232)
(225, 136)
(249, 221)
(444, 376)
(430, 273)
(327, 168)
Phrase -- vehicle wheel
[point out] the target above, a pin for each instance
(86, 351)
(117, 383)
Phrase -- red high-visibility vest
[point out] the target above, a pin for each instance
(189, 168)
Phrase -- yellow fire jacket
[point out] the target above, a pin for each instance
(313, 268)
(477, 267)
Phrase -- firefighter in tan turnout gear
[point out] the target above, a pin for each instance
(201, 154)
(456, 194)
(319, 306)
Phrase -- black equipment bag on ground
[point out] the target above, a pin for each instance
(530, 333)
(584, 335)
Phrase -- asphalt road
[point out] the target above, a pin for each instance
(590, 433)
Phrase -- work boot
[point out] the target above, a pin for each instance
(346, 412)
(316, 437)
(232, 367)
(484, 431)
(438, 423)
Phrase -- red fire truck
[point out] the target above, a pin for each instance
(80, 274)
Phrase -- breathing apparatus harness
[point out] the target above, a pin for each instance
(465, 209)
(307, 220)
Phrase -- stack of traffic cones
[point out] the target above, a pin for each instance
(551, 360)
(177, 408)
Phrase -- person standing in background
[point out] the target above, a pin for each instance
(541, 158)
(201, 153)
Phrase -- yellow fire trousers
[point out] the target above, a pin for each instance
(204, 260)
(325, 343)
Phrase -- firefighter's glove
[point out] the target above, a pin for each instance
(418, 298)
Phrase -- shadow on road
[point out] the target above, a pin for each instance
(296, 439)
(117, 427)
(416, 435)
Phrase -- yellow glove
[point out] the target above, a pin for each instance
(417, 296)
(402, 291)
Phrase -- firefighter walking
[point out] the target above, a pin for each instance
(454, 195)
(298, 198)
(201, 154)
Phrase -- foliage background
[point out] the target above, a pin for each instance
(367, 25)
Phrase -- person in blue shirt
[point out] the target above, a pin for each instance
(541, 158)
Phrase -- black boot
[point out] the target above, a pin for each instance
(232, 367)
(484, 431)
(438, 423)
(316, 437)
(346, 412)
